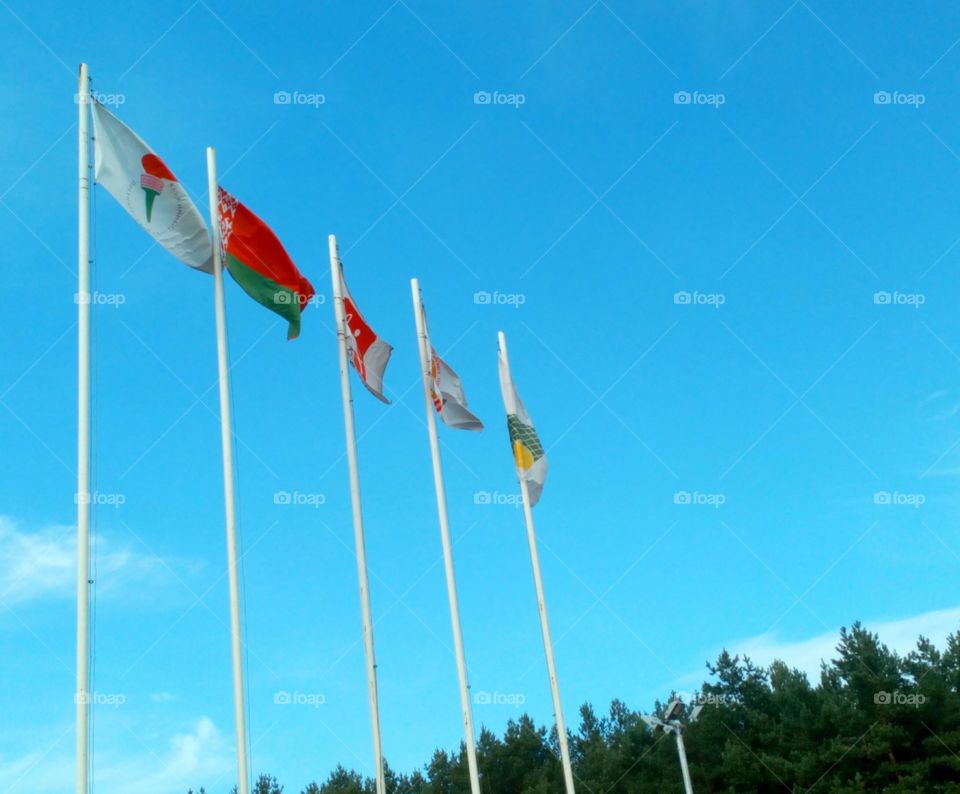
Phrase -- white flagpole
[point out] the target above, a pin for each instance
(226, 440)
(542, 607)
(684, 767)
(82, 696)
(336, 275)
(445, 539)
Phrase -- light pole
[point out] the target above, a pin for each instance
(671, 724)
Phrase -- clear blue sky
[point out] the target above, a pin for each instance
(784, 397)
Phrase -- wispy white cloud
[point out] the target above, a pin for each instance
(947, 413)
(950, 471)
(198, 756)
(934, 396)
(48, 768)
(946, 408)
(42, 563)
(806, 654)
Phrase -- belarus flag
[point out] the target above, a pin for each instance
(143, 185)
(258, 262)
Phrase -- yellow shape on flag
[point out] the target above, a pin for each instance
(522, 455)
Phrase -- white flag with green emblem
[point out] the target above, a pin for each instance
(528, 454)
(143, 185)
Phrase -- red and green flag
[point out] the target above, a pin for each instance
(259, 264)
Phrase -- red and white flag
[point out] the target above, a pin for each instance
(369, 354)
(448, 396)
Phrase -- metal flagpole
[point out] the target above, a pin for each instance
(336, 275)
(82, 695)
(426, 373)
(226, 439)
(682, 752)
(542, 606)
(547, 642)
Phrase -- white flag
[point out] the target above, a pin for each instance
(448, 396)
(528, 454)
(143, 185)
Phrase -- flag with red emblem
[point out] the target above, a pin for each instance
(146, 188)
(448, 396)
(368, 353)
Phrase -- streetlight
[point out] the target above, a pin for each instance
(671, 724)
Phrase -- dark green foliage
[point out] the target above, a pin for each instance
(267, 785)
(874, 722)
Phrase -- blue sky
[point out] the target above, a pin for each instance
(723, 242)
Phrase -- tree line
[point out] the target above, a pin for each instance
(876, 721)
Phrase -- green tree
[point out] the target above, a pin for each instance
(875, 721)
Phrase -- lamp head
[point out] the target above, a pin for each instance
(675, 710)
